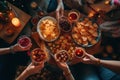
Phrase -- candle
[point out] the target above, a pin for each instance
(16, 22)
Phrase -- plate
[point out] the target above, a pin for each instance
(86, 33)
(48, 29)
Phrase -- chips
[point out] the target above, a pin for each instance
(48, 29)
(85, 33)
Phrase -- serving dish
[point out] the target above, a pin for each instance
(48, 29)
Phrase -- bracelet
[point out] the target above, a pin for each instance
(11, 49)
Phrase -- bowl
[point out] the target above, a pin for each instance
(65, 24)
(62, 56)
(48, 29)
(86, 33)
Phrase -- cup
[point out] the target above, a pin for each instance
(38, 56)
(79, 52)
(24, 41)
(62, 56)
(64, 24)
(73, 15)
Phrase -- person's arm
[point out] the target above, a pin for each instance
(13, 49)
(68, 75)
(110, 64)
(5, 50)
(59, 9)
(30, 70)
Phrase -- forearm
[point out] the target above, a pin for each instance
(68, 75)
(112, 65)
(23, 75)
(5, 50)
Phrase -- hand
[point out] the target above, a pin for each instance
(17, 48)
(33, 69)
(111, 28)
(59, 10)
(89, 59)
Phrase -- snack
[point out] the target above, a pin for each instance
(64, 42)
(64, 24)
(62, 56)
(85, 33)
(48, 29)
(38, 55)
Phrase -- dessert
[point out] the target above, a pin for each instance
(62, 56)
(38, 55)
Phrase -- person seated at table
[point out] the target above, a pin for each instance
(13, 49)
(33, 69)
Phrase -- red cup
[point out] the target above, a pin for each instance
(24, 41)
(79, 52)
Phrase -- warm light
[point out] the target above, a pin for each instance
(16, 22)
(91, 14)
(107, 2)
(98, 9)
(0, 13)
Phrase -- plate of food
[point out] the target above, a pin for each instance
(48, 29)
(86, 33)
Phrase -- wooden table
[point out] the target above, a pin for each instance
(23, 17)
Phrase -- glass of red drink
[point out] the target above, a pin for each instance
(38, 56)
(62, 56)
(73, 15)
(79, 52)
(24, 41)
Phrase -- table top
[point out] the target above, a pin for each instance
(23, 17)
(91, 50)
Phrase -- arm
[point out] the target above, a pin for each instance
(110, 64)
(14, 48)
(68, 75)
(59, 9)
(66, 71)
(30, 70)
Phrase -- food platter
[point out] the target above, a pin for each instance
(85, 32)
(48, 29)
(67, 41)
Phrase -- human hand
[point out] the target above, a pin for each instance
(111, 28)
(59, 10)
(33, 69)
(89, 59)
(17, 47)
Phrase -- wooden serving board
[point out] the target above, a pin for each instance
(23, 17)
